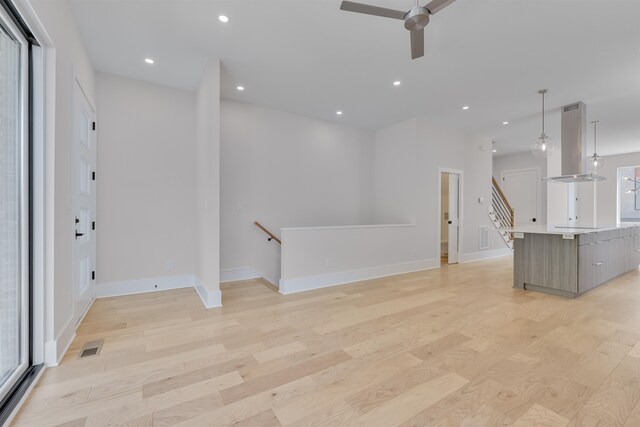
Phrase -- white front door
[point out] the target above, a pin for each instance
(454, 217)
(522, 189)
(84, 203)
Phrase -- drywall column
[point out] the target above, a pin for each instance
(557, 194)
(66, 61)
(208, 186)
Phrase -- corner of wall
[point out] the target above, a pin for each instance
(55, 349)
(211, 298)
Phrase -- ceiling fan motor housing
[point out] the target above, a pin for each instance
(416, 19)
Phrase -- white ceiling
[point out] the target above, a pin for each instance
(310, 58)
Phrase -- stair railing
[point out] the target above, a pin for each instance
(267, 232)
(504, 213)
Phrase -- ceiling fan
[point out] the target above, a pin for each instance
(414, 20)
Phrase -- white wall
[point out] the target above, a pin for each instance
(285, 170)
(146, 180)
(207, 206)
(607, 190)
(70, 61)
(408, 158)
(524, 161)
(317, 257)
(628, 201)
(395, 170)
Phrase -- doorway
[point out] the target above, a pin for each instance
(449, 242)
(84, 203)
(522, 189)
(629, 194)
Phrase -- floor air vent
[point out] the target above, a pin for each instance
(91, 349)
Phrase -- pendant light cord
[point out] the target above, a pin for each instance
(595, 137)
(542, 112)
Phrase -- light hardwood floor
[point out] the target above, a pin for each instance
(454, 346)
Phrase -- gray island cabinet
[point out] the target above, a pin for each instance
(570, 261)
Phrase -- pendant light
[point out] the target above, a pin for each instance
(543, 146)
(596, 163)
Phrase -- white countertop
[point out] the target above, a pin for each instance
(550, 229)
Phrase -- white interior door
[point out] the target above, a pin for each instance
(522, 189)
(454, 217)
(84, 203)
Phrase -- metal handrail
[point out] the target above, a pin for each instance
(502, 209)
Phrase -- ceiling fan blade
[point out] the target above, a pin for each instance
(417, 44)
(435, 6)
(372, 10)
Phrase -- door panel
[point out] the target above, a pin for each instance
(84, 196)
(521, 187)
(454, 221)
(14, 207)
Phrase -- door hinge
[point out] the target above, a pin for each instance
(93, 176)
(93, 275)
(93, 225)
(94, 125)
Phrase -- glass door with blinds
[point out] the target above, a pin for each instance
(14, 206)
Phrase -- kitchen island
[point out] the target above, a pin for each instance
(571, 261)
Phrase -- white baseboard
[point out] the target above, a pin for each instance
(131, 287)
(481, 255)
(210, 299)
(290, 286)
(273, 281)
(54, 350)
(237, 274)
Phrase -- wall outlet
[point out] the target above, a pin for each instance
(328, 262)
(413, 253)
(170, 265)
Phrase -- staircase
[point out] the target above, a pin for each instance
(501, 213)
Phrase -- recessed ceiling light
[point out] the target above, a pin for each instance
(466, 107)
(505, 123)
(223, 18)
(396, 83)
(339, 113)
(149, 60)
(240, 88)
(494, 151)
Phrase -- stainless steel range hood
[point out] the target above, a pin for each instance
(573, 146)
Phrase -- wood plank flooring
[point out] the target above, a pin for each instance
(452, 346)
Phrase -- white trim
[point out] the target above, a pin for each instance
(38, 207)
(339, 227)
(85, 313)
(290, 286)
(140, 286)
(54, 350)
(482, 255)
(237, 274)
(210, 299)
(460, 173)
